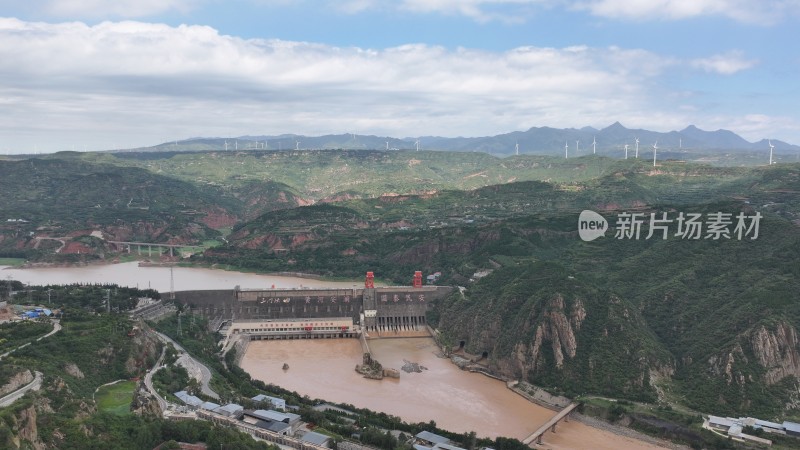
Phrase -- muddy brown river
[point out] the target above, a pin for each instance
(456, 400)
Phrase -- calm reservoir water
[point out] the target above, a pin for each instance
(186, 278)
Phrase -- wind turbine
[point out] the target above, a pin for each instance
(577, 146)
(594, 145)
(417, 144)
(626, 151)
(770, 151)
(566, 149)
(637, 148)
(516, 148)
(655, 150)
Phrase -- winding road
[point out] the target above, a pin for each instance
(14, 396)
(148, 382)
(37, 379)
(56, 329)
(195, 368)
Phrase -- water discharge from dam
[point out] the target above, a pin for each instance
(456, 400)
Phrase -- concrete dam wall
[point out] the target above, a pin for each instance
(398, 307)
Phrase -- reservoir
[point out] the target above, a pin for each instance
(158, 278)
(324, 368)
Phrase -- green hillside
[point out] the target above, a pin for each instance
(640, 331)
(322, 174)
(707, 323)
(58, 198)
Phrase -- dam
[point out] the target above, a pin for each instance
(299, 313)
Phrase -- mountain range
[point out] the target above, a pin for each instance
(610, 141)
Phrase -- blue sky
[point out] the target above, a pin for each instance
(98, 74)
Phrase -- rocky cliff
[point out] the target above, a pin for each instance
(537, 324)
(777, 350)
(16, 382)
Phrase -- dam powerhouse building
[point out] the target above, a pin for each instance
(312, 313)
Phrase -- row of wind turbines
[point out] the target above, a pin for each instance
(265, 145)
(594, 149)
(655, 149)
(516, 148)
(259, 145)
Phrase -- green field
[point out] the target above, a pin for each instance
(116, 398)
(11, 261)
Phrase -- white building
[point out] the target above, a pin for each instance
(277, 403)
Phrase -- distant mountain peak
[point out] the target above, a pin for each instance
(615, 127)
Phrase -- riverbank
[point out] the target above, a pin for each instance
(620, 430)
(555, 403)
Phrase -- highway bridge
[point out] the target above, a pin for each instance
(550, 425)
(123, 245)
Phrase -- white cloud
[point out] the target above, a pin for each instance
(725, 64)
(748, 11)
(105, 8)
(354, 6)
(133, 83)
(515, 11)
(762, 12)
(479, 10)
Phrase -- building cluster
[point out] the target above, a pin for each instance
(434, 277)
(425, 440)
(734, 428)
(36, 313)
(275, 423)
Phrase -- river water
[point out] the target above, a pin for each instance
(454, 399)
(158, 278)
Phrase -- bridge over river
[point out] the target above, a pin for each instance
(124, 245)
(550, 425)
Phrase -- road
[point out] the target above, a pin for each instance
(39, 240)
(56, 329)
(14, 396)
(195, 368)
(148, 382)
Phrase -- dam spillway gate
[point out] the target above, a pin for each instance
(394, 308)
